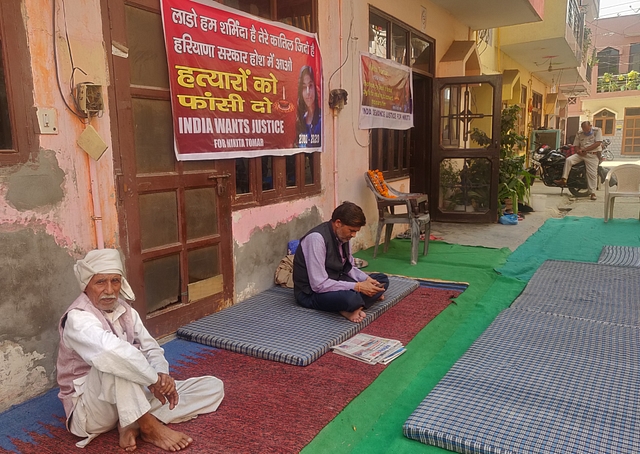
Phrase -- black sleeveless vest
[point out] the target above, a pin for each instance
(333, 262)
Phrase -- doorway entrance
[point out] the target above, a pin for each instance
(463, 174)
(421, 134)
(174, 217)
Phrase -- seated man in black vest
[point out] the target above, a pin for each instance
(324, 275)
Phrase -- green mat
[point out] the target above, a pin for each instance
(571, 238)
(372, 423)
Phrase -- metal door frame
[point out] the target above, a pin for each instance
(439, 153)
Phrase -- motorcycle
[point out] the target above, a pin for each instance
(548, 164)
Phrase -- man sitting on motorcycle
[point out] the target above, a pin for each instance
(589, 145)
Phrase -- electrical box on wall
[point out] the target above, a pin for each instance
(89, 98)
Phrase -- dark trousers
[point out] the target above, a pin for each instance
(344, 300)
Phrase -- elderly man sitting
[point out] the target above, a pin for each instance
(112, 372)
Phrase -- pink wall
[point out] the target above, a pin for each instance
(538, 6)
(619, 33)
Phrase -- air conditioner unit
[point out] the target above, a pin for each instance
(549, 137)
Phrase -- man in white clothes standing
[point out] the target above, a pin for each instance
(112, 372)
(589, 143)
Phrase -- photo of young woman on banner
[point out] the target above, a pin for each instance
(308, 125)
(241, 86)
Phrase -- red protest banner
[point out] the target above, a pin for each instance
(240, 86)
(387, 94)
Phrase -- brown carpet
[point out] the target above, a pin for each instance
(270, 407)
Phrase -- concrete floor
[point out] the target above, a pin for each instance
(557, 205)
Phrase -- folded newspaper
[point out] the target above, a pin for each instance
(370, 349)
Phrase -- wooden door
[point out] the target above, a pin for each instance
(175, 217)
(464, 175)
(421, 135)
(631, 132)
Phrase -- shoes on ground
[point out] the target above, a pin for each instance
(561, 182)
(523, 208)
(593, 196)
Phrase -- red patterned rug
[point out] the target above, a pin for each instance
(269, 407)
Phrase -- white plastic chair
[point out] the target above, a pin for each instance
(417, 216)
(626, 181)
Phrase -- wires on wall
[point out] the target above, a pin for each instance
(75, 111)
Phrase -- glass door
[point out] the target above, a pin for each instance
(464, 174)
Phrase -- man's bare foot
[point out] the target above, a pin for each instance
(128, 437)
(356, 316)
(154, 432)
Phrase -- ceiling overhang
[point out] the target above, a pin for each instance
(575, 89)
(538, 55)
(569, 81)
(461, 59)
(493, 13)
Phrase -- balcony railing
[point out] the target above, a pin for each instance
(611, 83)
(575, 20)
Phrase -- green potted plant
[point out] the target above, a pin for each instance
(514, 182)
(465, 188)
(449, 184)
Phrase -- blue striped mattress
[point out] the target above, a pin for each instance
(557, 372)
(538, 383)
(589, 291)
(272, 326)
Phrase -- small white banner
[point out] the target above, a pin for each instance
(386, 99)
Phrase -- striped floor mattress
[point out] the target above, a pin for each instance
(272, 326)
(557, 372)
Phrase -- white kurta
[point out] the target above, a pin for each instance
(115, 390)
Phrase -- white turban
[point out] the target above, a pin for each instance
(102, 261)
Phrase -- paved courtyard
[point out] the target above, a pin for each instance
(557, 203)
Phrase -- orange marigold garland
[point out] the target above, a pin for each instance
(378, 182)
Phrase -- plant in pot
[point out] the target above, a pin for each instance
(514, 182)
(465, 188)
(476, 182)
(449, 184)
